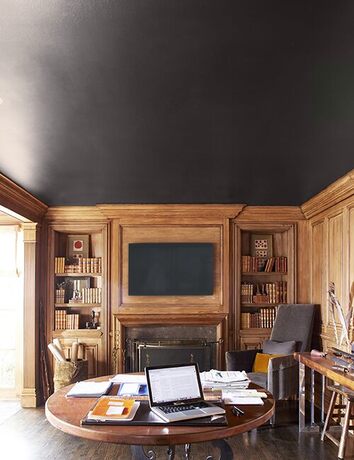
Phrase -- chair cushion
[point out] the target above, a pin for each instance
(283, 348)
(259, 378)
(261, 362)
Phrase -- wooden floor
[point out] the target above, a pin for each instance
(27, 435)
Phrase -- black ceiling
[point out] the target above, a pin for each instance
(176, 101)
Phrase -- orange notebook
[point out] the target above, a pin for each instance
(113, 408)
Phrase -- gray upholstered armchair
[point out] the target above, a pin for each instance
(292, 331)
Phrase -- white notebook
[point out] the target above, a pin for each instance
(89, 389)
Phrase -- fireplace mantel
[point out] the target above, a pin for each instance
(121, 323)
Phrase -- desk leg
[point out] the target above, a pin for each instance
(312, 398)
(323, 399)
(302, 398)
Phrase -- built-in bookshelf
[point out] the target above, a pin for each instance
(77, 290)
(264, 268)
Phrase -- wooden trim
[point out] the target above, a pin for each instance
(340, 190)
(29, 393)
(75, 214)
(205, 211)
(15, 198)
(270, 214)
(136, 320)
(8, 220)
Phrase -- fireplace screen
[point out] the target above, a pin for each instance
(167, 352)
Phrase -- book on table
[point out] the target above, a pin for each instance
(113, 408)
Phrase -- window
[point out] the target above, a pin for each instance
(11, 301)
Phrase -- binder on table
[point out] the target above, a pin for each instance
(144, 416)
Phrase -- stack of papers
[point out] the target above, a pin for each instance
(129, 378)
(89, 389)
(224, 379)
(253, 397)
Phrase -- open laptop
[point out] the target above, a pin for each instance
(175, 393)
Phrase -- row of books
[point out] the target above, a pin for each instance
(81, 265)
(90, 295)
(64, 320)
(86, 295)
(264, 318)
(60, 295)
(275, 292)
(261, 264)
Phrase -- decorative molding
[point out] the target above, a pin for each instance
(29, 397)
(205, 211)
(135, 320)
(340, 190)
(74, 214)
(15, 198)
(29, 232)
(270, 214)
(5, 219)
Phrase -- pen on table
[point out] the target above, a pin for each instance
(237, 411)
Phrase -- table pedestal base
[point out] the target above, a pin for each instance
(139, 453)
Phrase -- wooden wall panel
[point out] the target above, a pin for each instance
(336, 255)
(173, 233)
(351, 253)
(318, 265)
(331, 224)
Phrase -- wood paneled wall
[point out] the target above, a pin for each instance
(327, 239)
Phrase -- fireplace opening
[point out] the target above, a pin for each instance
(159, 346)
(167, 352)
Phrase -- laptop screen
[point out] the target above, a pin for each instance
(173, 384)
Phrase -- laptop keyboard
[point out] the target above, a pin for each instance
(181, 407)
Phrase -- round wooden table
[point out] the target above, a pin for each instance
(66, 413)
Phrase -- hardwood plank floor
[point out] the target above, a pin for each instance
(27, 435)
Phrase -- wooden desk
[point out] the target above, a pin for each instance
(66, 413)
(323, 366)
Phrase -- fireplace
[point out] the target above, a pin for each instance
(165, 345)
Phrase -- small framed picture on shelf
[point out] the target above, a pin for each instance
(262, 246)
(77, 246)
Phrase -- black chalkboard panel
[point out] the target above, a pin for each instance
(165, 269)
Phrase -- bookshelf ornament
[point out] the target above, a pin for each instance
(262, 248)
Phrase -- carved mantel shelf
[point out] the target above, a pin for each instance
(169, 320)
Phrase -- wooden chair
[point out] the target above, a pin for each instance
(344, 410)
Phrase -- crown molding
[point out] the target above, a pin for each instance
(16, 199)
(206, 211)
(270, 214)
(74, 213)
(340, 190)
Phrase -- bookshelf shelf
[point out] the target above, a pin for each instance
(264, 268)
(78, 305)
(258, 305)
(264, 273)
(77, 275)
